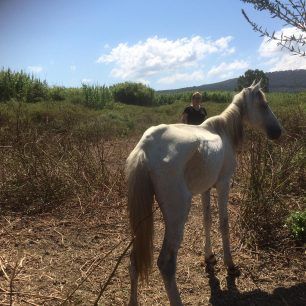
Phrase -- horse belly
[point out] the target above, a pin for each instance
(202, 171)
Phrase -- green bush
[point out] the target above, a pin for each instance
(57, 93)
(296, 223)
(133, 93)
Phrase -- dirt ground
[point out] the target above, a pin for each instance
(64, 257)
(44, 258)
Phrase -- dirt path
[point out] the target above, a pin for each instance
(44, 258)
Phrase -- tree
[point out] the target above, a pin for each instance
(251, 75)
(293, 13)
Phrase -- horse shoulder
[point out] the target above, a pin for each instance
(229, 162)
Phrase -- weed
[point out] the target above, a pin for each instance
(296, 223)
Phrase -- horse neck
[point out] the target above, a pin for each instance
(230, 122)
(233, 120)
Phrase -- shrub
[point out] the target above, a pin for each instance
(57, 93)
(296, 223)
(133, 93)
(273, 172)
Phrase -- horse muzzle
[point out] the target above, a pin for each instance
(274, 132)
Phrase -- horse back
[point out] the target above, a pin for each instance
(183, 152)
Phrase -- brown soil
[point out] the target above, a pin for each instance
(45, 258)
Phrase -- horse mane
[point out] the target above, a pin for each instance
(229, 122)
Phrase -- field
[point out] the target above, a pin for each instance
(63, 224)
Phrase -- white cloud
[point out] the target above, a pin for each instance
(226, 70)
(223, 44)
(182, 77)
(35, 69)
(279, 58)
(157, 55)
(73, 67)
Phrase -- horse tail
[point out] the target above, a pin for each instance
(140, 203)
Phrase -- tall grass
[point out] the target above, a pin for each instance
(21, 86)
(96, 96)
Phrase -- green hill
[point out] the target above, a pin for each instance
(280, 81)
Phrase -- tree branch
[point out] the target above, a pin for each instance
(292, 12)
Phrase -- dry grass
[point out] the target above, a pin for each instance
(273, 176)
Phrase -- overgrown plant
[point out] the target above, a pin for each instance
(296, 223)
(22, 87)
(96, 96)
(273, 172)
(43, 167)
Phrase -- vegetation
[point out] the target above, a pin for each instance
(95, 96)
(54, 151)
(297, 225)
(253, 75)
(293, 13)
(273, 174)
(133, 93)
(21, 86)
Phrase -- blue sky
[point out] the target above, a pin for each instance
(165, 44)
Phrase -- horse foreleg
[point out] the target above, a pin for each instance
(223, 191)
(209, 255)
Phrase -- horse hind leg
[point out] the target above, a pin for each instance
(167, 266)
(175, 216)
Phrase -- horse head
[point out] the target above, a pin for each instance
(258, 113)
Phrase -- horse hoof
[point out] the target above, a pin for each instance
(211, 260)
(233, 271)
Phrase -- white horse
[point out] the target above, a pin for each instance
(173, 163)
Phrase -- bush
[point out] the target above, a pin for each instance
(57, 93)
(296, 223)
(133, 93)
(274, 173)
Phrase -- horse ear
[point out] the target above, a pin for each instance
(257, 86)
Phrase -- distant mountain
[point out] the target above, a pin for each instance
(287, 81)
(279, 81)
